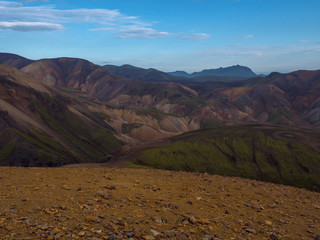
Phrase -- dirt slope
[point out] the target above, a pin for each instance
(104, 203)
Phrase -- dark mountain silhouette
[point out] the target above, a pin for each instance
(179, 74)
(14, 60)
(233, 71)
(148, 75)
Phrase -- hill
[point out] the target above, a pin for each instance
(148, 75)
(14, 60)
(40, 127)
(108, 203)
(274, 154)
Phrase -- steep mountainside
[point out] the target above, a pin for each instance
(37, 129)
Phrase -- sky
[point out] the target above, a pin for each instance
(169, 35)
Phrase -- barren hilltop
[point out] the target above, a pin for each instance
(104, 203)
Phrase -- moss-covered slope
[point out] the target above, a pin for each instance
(273, 154)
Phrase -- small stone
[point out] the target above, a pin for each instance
(192, 220)
(251, 230)
(317, 237)
(62, 207)
(111, 226)
(226, 212)
(82, 233)
(316, 206)
(44, 226)
(268, 223)
(182, 236)
(111, 187)
(111, 237)
(206, 237)
(189, 202)
(65, 187)
(130, 234)
(170, 234)
(148, 237)
(103, 195)
(164, 220)
(89, 218)
(154, 233)
(273, 237)
(9, 228)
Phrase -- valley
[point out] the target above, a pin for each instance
(66, 111)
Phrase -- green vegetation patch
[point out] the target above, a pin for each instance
(128, 127)
(239, 151)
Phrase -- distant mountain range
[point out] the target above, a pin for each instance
(69, 110)
(233, 71)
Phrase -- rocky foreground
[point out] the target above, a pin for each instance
(102, 203)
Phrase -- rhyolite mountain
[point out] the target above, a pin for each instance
(149, 75)
(68, 110)
(14, 60)
(41, 127)
(232, 71)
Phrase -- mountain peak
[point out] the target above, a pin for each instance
(232, 71)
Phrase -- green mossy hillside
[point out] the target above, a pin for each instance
(246, 151)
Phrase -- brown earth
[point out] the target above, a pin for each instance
(104, 203)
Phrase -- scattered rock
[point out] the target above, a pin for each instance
(65, 187)
(251, 230)
(170, 234)
(148, 237)
(273, 237)
(154, 233)
(316, 206)
(112, 187)
(268, 223)
(103, 195)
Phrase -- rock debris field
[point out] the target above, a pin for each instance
(111, 203)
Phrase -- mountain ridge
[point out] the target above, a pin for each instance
(231, 71)
(68, 111)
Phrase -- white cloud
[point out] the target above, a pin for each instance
(48, 13)
(31, 1)
(137, 32)
(101, 29)
(4, 4)
(16, 16)
(246, 36)
(30, 26)
(196, 36)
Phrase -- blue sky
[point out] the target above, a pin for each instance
(190, 35)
